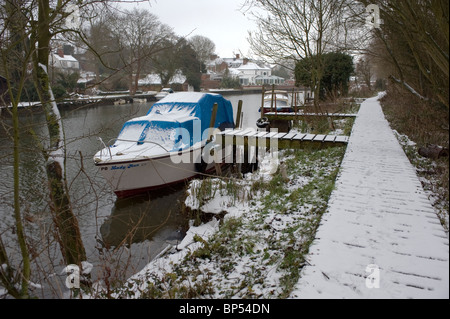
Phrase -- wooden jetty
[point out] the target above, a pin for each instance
(292, 116)
(250, 137)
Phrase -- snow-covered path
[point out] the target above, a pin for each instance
(380, 237)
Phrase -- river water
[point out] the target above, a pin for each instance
(120, 236)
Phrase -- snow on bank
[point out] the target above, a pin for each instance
(233, 204)
(427, 171)
(258, 249)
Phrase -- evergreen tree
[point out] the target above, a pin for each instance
(337, 69)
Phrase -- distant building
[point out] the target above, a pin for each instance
(254, 74)
(65, 63)
(235, 62)
(249, 73)
(153, 82)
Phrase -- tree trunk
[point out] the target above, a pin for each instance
(69, 236)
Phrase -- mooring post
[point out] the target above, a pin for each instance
(275, 104)
(238, 115)
(210, 136)
(271, 102)
(262, 102)
(212, 122)
(292, 97)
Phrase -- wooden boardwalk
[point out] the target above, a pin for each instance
(380, 237)
(250, 137)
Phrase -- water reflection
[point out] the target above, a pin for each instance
(153, 216)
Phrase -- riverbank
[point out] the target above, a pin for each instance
(257, 242)
(248, 236)
(117, 98)
(97, 100)
(259, 231)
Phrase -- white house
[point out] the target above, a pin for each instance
(253, 74)
(63, 63)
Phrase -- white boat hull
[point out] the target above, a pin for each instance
(132, 177)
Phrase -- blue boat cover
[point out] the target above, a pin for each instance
(179, 121)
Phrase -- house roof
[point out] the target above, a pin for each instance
(234, 71)
(65, 58)
(252, 66)
(214, 62)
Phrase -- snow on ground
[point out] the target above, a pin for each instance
(259, 243)
(380, 237)
(429, 176)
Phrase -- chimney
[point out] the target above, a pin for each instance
(60, 52)
(238, 55)
(245, 61)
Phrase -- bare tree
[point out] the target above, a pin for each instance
(140, 36)
(294, 30)
(413, 43)
(203, 46)
(364, 71)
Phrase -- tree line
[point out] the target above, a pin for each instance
(405, 42)
(125, 44)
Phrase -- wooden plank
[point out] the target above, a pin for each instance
(251, 134)
(286, 116)
(289, 136)
(230, 132)
(244, 132)
(261, 134)
(319, 138)
(309, 137)
(299, 137)
(341, 139)
(280, 135)
(271, 135)
(329, 114)
(330, 138)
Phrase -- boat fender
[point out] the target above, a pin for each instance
(262, 122)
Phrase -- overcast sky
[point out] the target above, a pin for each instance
(219, 20)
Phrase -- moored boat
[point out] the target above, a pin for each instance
(167, 145)
(163, 93)
(277, 101)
